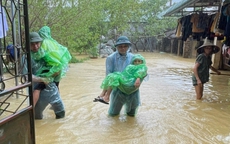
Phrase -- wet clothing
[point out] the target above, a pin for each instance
(55, 55)
(203, 70)
(117, 63)
(125, 80)
(49, 95)
(118, 99)
(41, 85)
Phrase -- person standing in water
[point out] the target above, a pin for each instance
(128, 81)
(117, 62)
(202, 65)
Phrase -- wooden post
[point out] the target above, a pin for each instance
(187, 48)
(216, 58)
(178, 47)
(193, 48)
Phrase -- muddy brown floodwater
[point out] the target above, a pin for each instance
(169, 113)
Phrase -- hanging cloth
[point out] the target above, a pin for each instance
(3, 23)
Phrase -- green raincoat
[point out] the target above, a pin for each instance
(56, 56)
(125, 80)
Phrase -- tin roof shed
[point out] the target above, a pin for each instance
(186, 6)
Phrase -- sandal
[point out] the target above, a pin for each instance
(100, 99)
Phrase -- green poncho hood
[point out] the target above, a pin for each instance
(54, 54)
(138, 56)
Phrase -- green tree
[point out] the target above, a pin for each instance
(78, 24)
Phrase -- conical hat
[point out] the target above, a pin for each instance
(215, 48)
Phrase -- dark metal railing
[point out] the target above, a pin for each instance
(16, 103)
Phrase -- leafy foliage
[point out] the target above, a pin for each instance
(79, 24)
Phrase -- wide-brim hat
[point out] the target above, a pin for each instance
(35, 37)
(122, 40)
(215, 48)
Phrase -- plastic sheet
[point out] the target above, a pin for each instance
(55, 55)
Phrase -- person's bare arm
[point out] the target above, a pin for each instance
(137, 82)
(39, 79)
(195, 70)
(215, 70)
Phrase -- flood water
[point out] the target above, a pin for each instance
(169, 113)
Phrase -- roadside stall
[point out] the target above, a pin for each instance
(200, 20)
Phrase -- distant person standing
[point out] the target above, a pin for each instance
(202, 65)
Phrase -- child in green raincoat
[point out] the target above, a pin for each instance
(127, 81)
(56, 57)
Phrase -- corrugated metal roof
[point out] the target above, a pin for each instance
(178, 7)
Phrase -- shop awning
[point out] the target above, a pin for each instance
(178, 7)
